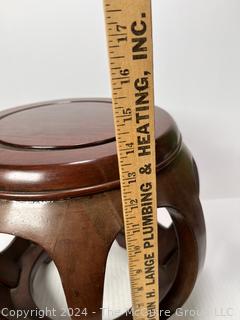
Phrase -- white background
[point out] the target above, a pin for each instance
(52, 49)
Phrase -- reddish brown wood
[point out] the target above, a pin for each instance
(9, 272)
(9, 268)
(65, 148)
(77, 231)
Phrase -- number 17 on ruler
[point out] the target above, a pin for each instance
(129, 35)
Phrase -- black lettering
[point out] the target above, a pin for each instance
(139, 30)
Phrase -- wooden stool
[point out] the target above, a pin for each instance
(60, 197)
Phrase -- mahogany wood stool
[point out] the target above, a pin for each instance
(60, 197)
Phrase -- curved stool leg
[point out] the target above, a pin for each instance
(167, 257)
(9, 269)
(22, 257)
(76, 235)
(81, 253)
(83, 275)
(13, 276)
(179, 191)
(16, 248)
(22, 295)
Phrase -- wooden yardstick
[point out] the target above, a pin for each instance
(129, 33)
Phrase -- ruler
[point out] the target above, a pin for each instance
(129, 35)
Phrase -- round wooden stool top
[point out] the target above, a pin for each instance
(67, 148)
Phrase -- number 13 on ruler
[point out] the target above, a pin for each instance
(129, 35)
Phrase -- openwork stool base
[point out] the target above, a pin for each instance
(61, 199)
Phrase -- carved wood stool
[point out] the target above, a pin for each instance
(60, 197)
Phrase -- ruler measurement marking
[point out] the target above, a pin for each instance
(118, 57)
(114, 10)
(119, 98)
(117, 34)
(120, 78)
(122, 116)
(130, 52)
(128, 149)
